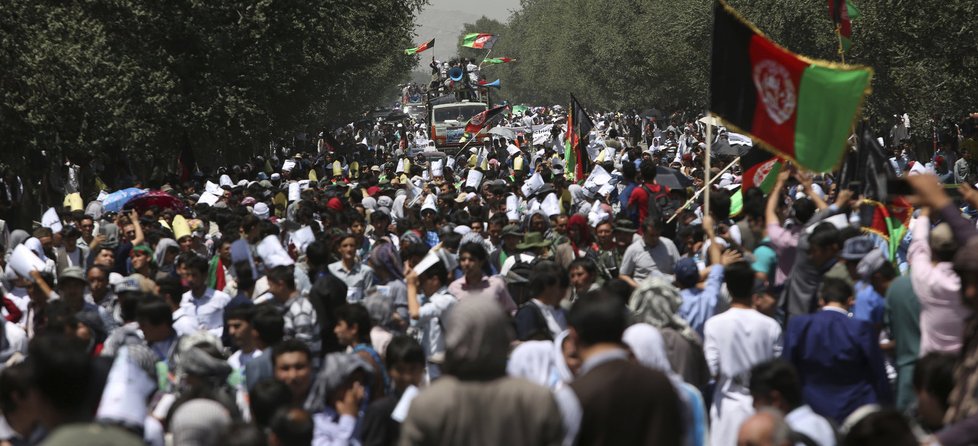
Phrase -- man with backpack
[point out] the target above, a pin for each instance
(650, 199)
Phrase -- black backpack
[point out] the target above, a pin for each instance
(518, 278)
(660, 204)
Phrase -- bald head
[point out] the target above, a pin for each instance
(765, 428)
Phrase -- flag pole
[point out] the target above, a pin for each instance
(842, 51)
(706, 171)
(697, 194)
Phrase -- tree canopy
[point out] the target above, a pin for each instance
(632, 54)
(221, 77)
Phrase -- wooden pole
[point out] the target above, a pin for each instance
(706, 172)
(697, 194)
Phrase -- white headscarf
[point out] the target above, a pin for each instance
(541, 362)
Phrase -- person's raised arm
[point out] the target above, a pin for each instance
(411, 279)
(45, 287)
(771, 209)
(931, 193)
(715, 251)
(138, 239)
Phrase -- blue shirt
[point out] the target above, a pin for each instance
(869, 306)
(699, 304)
(627, 192)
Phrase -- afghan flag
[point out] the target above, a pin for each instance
(482, 119)
(760, 168)
(498, 60)
(579, 125)
(479, 41)
(843, 12)
(424, 46)
(798, 108)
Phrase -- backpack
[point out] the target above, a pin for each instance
(518, 278)
(660, 205)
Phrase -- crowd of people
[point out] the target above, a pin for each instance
(367, 294)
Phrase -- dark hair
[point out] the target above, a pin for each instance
(585, 263)
(653, 222)
(934, 374)
(777, 375)
(886, 427)
(269, 324)
(720, 204)
(267, 397)
(244, 275)
(835, 290)
(438, 270)
(197, 263)
(101, 268)
(824, 235)
(476, 250)
(804, 209)
(15, 380)
(290, 346)
(292, 426)
(498, 219)
(356, 314)
(282, 274)
(245, 434)
(171, 286)
(58, 365)
(451, 240)
(404, 349)
(240, 312)
(129, 304)
(154, 311)
(546, 274)
(70, 232)
(648, 170)
(599, 317)
(317, 253)
(739, 277)
(628, 171)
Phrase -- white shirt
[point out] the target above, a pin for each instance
(432, 309)
(207, 310)
(806, 421)
(734, 341)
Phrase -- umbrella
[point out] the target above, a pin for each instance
(505, 132)
(710, 120)
(652, 113)
(159, 199)
(116, 200)
(671, 178)
(724, 148)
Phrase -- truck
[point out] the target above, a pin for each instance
(449, 113)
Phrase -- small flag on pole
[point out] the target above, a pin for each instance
(843, 12)
(498, 60)
(800, 109)
(424, 46)
(579, 125)
(479, 41)
(482, 119)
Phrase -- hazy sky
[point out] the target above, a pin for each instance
(494, 9)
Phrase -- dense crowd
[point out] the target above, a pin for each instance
(371, 292)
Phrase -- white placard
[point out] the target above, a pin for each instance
(272, 253)
(288, 165)
(208, 198)
(23, 261)
(212, 188)
(438, 168)
(294, 191)
(532, 185)
(51, 220)
(474, 178)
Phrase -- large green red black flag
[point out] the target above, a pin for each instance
(424, 46)
(482, 119)
(760, 169)
(798, 108)
(479, 40)
(579, 125)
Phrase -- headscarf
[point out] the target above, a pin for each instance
(579, 200)
(534, 361)
(198, 362)
(17, 237)
(477, 337)
(397, 210)
(337, 367)
(369, 203)
(385, 256)
(563, 371)
(579, 222)
(655, 302)
(111, 232)
(161, 248)
(529, 219)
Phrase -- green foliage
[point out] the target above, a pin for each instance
(633, 54)
(225, 77)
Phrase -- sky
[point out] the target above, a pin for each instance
(443, 20)
(494, 9)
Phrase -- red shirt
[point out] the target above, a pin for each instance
(640, 199)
